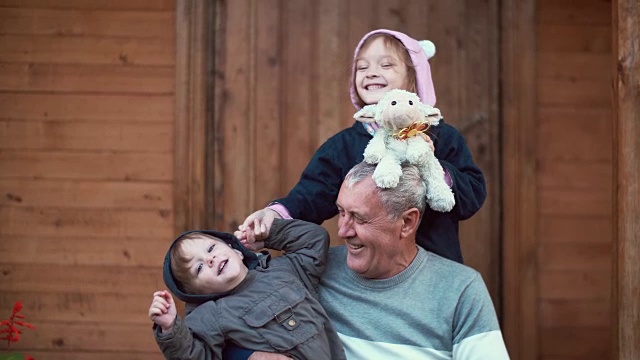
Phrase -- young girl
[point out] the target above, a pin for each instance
(383, 60)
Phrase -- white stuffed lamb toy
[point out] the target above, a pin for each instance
(401, 116)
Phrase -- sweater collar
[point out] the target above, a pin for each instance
(395, 280)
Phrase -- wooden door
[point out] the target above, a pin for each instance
(280, 89)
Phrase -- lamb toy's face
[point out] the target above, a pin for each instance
(399, 109)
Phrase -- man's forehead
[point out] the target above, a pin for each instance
(360, 194)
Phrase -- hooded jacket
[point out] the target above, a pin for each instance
(313, 197)
(274, 309)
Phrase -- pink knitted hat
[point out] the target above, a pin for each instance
(420, 52)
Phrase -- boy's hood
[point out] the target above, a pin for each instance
(250, 260)
(424, 82)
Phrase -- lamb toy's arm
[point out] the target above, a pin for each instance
(376, 148)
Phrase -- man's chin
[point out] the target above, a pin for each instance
(355, 265)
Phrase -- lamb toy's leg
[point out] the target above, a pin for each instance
(387, 173)
(439, 194)
(376, 148)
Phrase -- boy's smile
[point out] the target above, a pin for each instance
(215, 267)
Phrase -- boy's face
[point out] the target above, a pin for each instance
(378, 70)
(215, 267)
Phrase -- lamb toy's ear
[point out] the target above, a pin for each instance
(366, 114)
(432, 115)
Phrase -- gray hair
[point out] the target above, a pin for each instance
(410, 192)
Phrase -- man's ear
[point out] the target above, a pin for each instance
(410, 222)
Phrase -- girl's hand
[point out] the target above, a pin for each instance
(256, 228)
(429, 141)
(163, 310)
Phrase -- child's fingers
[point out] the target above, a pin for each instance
(162, 301)
(240, 234)
(168, 298)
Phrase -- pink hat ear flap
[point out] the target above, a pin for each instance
(428, 47)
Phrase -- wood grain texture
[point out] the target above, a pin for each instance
(99, 23)
(574, 170)
(142, 5)
(85, 194)
(97, 337)
(86, 186)
(90, 136)
(267, 130)
(572, 342)
(299, 92)
(190, 127)
(580, 284)
(575, 230)
(520, 226)
(86, 166)
(78, 222)
(85, 50)
(626, 276)
(87, 107)
(95, 79)
(567, 12)
(566, 313)
(234, 115)
(126, 251)
(81, 307)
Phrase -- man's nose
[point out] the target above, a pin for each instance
(345, 228)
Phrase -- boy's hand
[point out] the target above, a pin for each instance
(163, 310)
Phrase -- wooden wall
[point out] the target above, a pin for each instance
(575, 169)
(560, 241)
(86, 171)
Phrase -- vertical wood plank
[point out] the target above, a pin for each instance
(192, 62)
(626, 278)
(520, 320)
(333, 67)
(445, 33)
(232, 176)
(268, 103)
(332, 73)
(300, 53)
(480, 235)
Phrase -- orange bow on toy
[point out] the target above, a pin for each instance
(412, 130)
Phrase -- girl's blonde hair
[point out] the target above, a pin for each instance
(395, 45)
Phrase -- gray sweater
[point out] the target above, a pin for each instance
(434, 309)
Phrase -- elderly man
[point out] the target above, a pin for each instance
(389, 298)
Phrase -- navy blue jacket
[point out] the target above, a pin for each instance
(313, 197)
